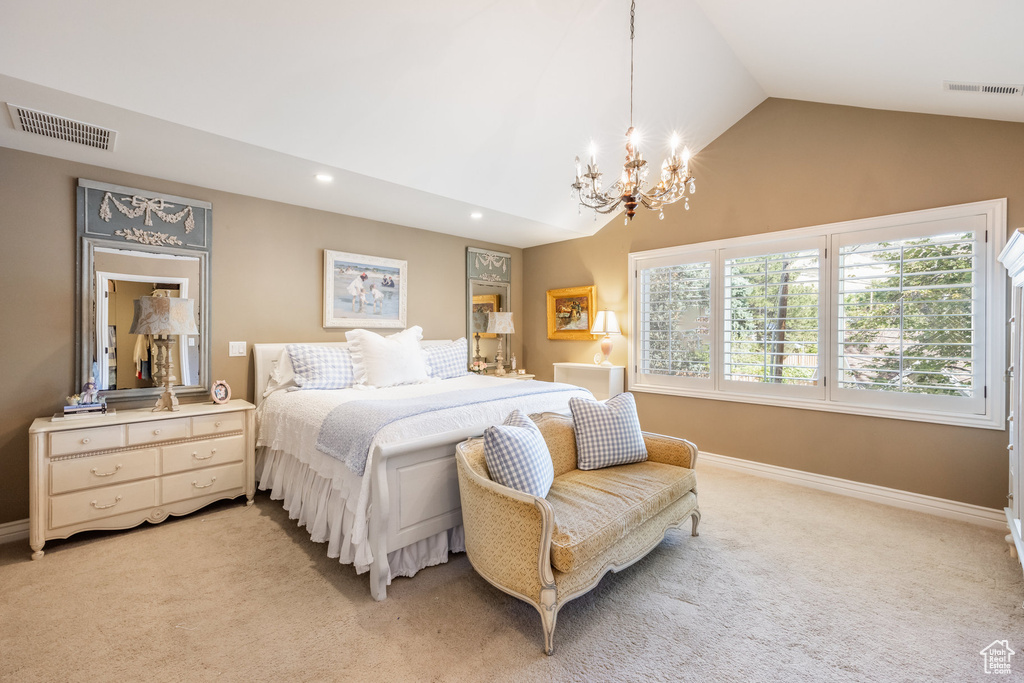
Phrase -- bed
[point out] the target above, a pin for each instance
(402, 513)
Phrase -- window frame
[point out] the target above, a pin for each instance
(989, 412)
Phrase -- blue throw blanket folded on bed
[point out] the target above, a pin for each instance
(348, 430)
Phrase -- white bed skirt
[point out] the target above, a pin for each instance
(327, 510)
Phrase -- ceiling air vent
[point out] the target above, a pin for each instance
(990, 88)
(60, 128)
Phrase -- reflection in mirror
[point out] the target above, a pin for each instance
(487, 298)
(119, 359)
(124, 360)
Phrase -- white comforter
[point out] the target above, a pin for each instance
(289, 421)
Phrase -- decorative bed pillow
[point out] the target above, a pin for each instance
(517, 455)
(320, 367)
(607, 433)
(387, 361)
(445, 361)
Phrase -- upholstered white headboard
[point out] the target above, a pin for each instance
(266, 355)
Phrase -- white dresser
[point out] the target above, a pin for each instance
(603, 381)
(118, 471)
(1013, 258)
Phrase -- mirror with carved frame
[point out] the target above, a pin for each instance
(134, 243)
(489, 288)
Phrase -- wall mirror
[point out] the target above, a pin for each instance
(134, 243)
(489, 288)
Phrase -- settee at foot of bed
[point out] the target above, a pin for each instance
(548, 551)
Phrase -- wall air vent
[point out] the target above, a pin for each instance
(60, 128)
(990, 88)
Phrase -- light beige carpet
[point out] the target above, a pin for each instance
(783, 584)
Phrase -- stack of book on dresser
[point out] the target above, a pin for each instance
(84, 410)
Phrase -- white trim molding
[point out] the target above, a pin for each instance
(941, 507)
(14, 531)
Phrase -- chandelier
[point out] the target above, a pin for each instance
(631, 188)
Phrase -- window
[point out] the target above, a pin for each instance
(886, 316)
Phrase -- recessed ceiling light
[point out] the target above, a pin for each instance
(476, 215)
(324, 178)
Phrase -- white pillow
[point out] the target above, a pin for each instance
(387, 361)
(282, 376)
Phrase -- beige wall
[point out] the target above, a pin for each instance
(267, 279)
(792, 164)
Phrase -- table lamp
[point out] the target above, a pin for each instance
(500, 323)
(607, 324)
(164, 317)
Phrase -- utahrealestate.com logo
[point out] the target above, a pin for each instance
(997, 657)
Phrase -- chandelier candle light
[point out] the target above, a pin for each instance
(631, 187)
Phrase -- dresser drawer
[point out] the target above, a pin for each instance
(85, 440)
(203, 482)
(189, 456)
(161, 430)
(217, 424)
(85, 506)
(102, 470)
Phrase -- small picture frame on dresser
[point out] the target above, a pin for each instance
(220, 392)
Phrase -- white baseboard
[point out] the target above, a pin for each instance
(964, 512)
(14, 531)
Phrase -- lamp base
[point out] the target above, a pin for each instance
(167, 400)
(606, 349)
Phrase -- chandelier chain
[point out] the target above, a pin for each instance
(632, 19)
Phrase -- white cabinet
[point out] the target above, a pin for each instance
(118, 471)
(604, 381)
(1013, 258)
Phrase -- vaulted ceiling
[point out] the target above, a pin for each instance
(426, 112)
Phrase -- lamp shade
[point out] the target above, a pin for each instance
(605, 322)
(500, 323)
(164, 315)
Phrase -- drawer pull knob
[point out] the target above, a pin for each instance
(104, 507)
(195, 454)
(216, 424)
(156, 432)
(106, 474)
(205, 486)
(85, 440)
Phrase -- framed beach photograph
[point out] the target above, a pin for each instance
(482, 305)
(364, 291)
(571, 312)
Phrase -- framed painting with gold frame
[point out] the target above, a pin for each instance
(571, 312)
(482, 305)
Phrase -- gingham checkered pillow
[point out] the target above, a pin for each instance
(607, 433)
(321, 367)
(448, 360)
(517, 455)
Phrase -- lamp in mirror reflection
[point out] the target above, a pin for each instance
(500, 323)
(606, 323)
(164, 318)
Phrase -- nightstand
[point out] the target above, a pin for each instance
(118, 471)
(513, 375)
(604, 381)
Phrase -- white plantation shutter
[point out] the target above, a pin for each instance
(675, 304)
(772, 321)
(910, 315)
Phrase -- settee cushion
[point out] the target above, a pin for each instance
(517, 455)
(595, 509)
(607, 433)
